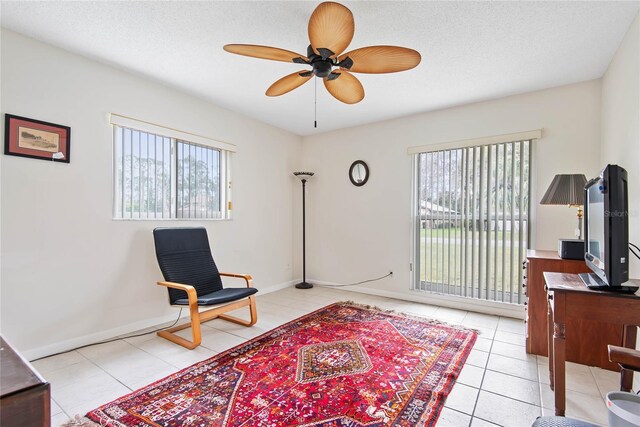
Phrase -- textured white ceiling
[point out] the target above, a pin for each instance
(471, 51)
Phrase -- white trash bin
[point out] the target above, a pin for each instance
(624, 409)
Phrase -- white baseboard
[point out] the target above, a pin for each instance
(450, 301)
(277, 287)
(480, 306)
(70, 344)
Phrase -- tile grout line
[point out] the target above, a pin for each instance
(62, 410)
(103, 370)
(486, 421)
(484, 372)
(513, 398)
(94, 364)
(540, 388)
(510, 375)
(455, 410)
(602, 394)
(497, 394)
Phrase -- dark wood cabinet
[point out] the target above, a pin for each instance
(585, 338)
(537, 263)
(24, 395)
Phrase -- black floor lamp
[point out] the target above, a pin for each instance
(304, 176)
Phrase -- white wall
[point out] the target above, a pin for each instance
(621, 130)
(70, 274)
(356, 233)
(621, 124)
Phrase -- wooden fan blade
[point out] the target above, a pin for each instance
(331, 26)
(288, 83)
(346, 88)
(263, 52)
(382, 59)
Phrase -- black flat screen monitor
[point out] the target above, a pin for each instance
(607, 231)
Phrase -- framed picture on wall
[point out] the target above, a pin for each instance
(36, 139)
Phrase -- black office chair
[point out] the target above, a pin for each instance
(192, 279)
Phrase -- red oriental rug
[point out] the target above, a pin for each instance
(343, 365)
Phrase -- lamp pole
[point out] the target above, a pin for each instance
(304, 176)
(580, 214)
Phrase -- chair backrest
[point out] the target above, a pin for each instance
(185, 257)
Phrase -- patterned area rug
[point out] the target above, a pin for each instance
(343, 365)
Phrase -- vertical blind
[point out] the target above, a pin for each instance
(198, 181)
(472, 220)
(161, 177)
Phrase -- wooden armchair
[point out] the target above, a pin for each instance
(192, 279)
(629, 361)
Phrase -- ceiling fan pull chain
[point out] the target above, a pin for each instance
(315, 103)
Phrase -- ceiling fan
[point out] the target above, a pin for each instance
(331, 29)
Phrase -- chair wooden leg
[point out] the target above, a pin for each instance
(179, 340)
(628, 341)
(195, 331)
(197, 318)
(252, 311)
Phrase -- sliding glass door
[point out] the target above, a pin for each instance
(472, 220)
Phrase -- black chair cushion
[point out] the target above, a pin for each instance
(219, 297)
(185, 257)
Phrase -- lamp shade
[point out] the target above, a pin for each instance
(565, 190)
(303, 175)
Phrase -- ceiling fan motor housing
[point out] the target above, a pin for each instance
(321, 67)
(322, 64)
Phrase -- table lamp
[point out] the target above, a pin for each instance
(567, 190)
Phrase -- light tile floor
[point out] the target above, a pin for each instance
(499, 385)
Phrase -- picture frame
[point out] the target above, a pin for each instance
(36, 139)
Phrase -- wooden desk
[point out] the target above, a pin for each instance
(569, 299)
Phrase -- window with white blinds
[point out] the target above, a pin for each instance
(163, 177)
(472, 220)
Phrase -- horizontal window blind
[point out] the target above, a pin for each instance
(472, 220)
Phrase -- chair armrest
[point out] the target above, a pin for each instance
(247, 278)
(190, 290)
(626, 357)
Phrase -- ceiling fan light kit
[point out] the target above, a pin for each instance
(331, 29)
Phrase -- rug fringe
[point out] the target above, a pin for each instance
(79, 421)
(411, 316)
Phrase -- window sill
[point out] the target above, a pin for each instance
(171, 219)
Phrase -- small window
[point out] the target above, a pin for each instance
(162, 177)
